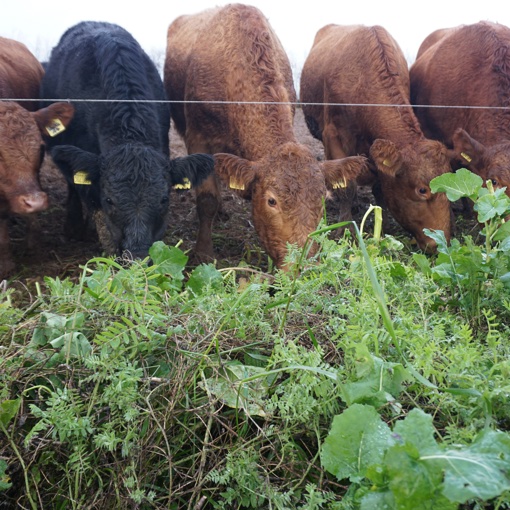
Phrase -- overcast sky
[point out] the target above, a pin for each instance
(39, 24)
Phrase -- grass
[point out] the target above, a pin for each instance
(162, 387)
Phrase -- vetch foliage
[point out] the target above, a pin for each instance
(367, 378)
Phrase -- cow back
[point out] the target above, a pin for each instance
(338, 73)
(466, 66)
(200, 49)
(20, 73)
(102, 65)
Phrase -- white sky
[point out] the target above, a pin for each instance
(39, 24)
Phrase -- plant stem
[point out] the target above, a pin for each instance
(20, 458)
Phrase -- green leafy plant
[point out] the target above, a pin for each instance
(468, 267)
(407, 468)
(162, 386)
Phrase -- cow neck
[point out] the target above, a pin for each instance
(273, 127)
(399, 125)
(494, 131)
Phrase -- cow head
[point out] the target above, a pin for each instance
(404, 175)
(22, 153)
(128, 188)
(287, 189)
(489, 162)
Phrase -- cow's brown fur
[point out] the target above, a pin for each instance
(21, 140)
(17, 61)
(358, 65)
(231, 55)
(467, 65)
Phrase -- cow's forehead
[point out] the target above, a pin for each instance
(20, 138)
(499, 154)
(425, 160)
(16, 122)
(134, 166)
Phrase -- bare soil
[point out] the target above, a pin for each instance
(234, 236)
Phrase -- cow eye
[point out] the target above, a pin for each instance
(109, 201)
(271, 202)
(494, 182)
(423, 191)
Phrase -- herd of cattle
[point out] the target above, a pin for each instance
(230, 87)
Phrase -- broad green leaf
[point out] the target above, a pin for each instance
(414, 484)
(423, 262)
(75, 344)
(417, 430)
(168, 259)
(398, 270)
(506, 280)
(445, 270)
(4, 478)
(8, 410)
(505, 245)
(378, 382)
(235, 391)
(503, 232)
(481, 470)
(490, 206)
(439, 237)
(204, 277)
(357, 440)
(51, 325)
(462, 183)
(378, 500)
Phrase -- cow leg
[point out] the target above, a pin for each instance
(334, 149)
(208, 205)
(6, 262)
(74, 227)
(33, 236)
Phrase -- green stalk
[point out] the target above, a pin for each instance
(297, 268)
(23, 466)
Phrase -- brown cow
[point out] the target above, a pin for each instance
(468, 65)
(216, 61)
(353, 65)
(21, 142)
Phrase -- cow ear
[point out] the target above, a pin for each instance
(78, 166)
(237, 173)
(189, 171)
(466, 149)
(54, 119)
(386, 157)
(339, 172)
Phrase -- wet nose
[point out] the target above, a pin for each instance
(31, 203)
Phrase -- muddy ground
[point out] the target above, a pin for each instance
(234, 238)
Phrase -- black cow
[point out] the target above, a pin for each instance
(115, 153)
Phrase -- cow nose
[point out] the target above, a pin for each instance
(32, 203)
(134, 253)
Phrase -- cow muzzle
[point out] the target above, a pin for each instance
(29, 203)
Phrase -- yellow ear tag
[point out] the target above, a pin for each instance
(236, 185)
(386, 162)
(82, 177)
(340, 184)
(466, 157)
(55, 127)
(186, 184)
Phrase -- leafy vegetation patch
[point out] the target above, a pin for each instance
(369, 378)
